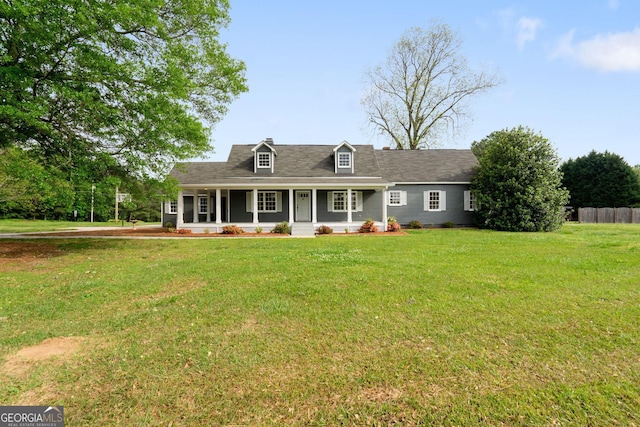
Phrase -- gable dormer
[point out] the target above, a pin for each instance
(343, 157)
(264, 156)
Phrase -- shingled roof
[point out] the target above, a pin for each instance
(315, 163)
(426, 165)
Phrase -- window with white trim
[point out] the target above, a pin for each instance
(173, 207)
(470, 203)
(337, 201)
(397, 198)
(268, 201)
(264, 160)
(344, 160)
(203, 204)
(435, 201)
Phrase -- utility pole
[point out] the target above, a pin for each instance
(116, 204)
(93, 188)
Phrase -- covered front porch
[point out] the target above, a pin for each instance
(304, 208)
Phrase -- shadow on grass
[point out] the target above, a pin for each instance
(45, 248)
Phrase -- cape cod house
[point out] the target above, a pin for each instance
(311, 185)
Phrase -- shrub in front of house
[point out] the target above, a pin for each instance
(448, 224)
(392, 224)
(415, 224)
(169, 226)
(183, 231)
(324, 229)
(258, 229)
(282, 228)
(232, 229)
(368, 227)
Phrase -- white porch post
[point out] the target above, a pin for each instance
(384, 210)
(314, 206)
(180, 216)
(196, 206)
(291, 204)
(255, 206)
(218, 207)
(349, 211)
(208, 205)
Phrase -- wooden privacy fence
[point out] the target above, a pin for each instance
(609, 215)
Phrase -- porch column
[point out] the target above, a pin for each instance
(385, 223)
(180, 216)
(196, 206)
(218, 207)
(255, 206)
(291, 204)
(349, 211)
(314, 206)
(208, 205)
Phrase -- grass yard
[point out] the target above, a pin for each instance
(27, 226)
(436, 327)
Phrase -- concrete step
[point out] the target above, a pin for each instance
(303, 229)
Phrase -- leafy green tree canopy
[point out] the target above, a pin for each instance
(517, 183)
(142, 81)
(601, 180)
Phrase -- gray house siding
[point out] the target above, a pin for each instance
(239, 212)
(167, 217)
(371, 207)
(414, 209)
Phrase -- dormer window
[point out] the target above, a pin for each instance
(264, 155)
(344, 160)
(264, 160)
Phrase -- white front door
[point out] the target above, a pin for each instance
(303, 206)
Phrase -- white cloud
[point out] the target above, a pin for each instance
(527, 29)
(604, 52)
(613, 4)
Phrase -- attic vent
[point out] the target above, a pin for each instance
(269, 141)
(386, 148)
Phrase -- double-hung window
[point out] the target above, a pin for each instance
(435, 201)
(173, 207)
(470, 203)
(268, 201)
(344, 160)
(203, 204)
(264, 160)
(337, 201)
(397, 198)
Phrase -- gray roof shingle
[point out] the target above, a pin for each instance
(426, 165)
(315, 163)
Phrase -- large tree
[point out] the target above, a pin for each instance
(517, 184)
(601, 180)
(420, 93)
(142, 81)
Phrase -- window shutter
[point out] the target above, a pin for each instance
(279, 201)
(443, 200)
(426, 200)
(359, 204)
(467, 200)
(249, 204)
(329, 201)
(403, 198)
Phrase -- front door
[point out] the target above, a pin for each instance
(303, 206)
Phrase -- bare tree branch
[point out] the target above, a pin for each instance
(423, 88)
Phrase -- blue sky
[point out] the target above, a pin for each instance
(571, 69)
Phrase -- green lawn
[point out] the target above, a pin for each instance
(26, 226)
(436, 327)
